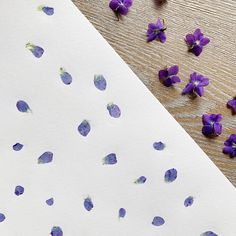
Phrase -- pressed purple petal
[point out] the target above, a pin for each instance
(197, 34)
(171, 175)
(160, 24)
(46, 157)
(122, 213)
(128, 3)
(65, 76)
(114, 4)
(206, 119)
(188, 88)
(218, 128)
(17, 146)
(152, 37)
(123, 10)
(158, 221)
(88, 204)
(152, 27)
(190, 39)
(188, 201)
(216, 117)
(84, 128)
(19, 190)
(162, 37)
(36, 50)
(197, 50)
(204, 41)
(167, 82)
(208, 130)
(110, 159)
(114, 110)
(2, 217)
(199, 91)
(232, 104)
(163, 74)
(48, 10)
(204, 81)
(158, 146)
(175, 79)
(209, 233)
(141, 180)
(232, 138)
(50, 201)
(173, 70)
(22, 106)
(56, 231)
(193, 77)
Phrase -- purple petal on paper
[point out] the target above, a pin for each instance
(22, 106)
(2, 217)
(209, 233)
(65, 76)
(100, 82)
(36, 50)
(88, 204)
(19, 190)
(48, 10)
(46, 157)
(188, 201)
(56, 231)
(158, 146)
(50, 201)
(17, 146)
(110, 159)
(141, 180)
(122, 213)
(158, 221)
(171, 175)
(84, 128)
(114, 110)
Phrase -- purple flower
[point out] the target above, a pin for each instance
(100, 82)
(211, 124)
(188, 201)
(209, 233)
(141, 180)
(196, 84)
(196, 42)
(50, 201)
(22, 106)
(158, 221)
(158, 146)
(113, 110)
(156, 31)
(171, 175)
(36, 50)
(110, 159)
(230, 146)
(120, 7)
(122, 213)
(65, 76)
(2, 217)
(232, 104)
(17, 146)
(19, 190)
(46, 157)
(88, 205)
(47, 10)
(56, 231)
(169, 76)
(84, 128)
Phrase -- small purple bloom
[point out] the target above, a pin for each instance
(158, 146)
(110, 159)
(2, 217)
(114, 110)
(47, 10)
(169, 76)
(209, 233)
(100, 82)
(156, 31)
(22, 106)
(84, 128)
(50, 201)
(17, 146)
(232, 104)
(65, 77)
(211, 125)
(188, 201)
(230, 146)
(46, 157)
(122, 213)
(196, 42)
(158, 221)
(171, 175)
(19, 190)
(56, 231)
(120, 7)
(141, 180)
(88, 205)
(196, 84)
(36, 50)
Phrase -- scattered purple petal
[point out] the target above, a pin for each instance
(158, 221)
(122, 213)
(36, 50)
(2, 217)
(188, 201)
(171, 175)
(65, 76)
(230, 146)
(196, 84)
(56, 231)
(88, 205)
(84, 128)
(46, 157)
(159, 146)
(47, 10)
(120, 7)
(19, 190)
(156, 31)
(114, 110)
(22, 106)
(100, 82)
(211, 125)
(168, 76)
(141, 180)
(232, 104)
(50, 201)
(209, 233)
(196, 42)
(17, 146)
(110, 159)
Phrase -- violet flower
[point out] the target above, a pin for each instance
(211, 125)
(196, 84)
(120, 7)
(230, 146)
(232, 104)
(169, 76)
(196, 42)
(156, 31)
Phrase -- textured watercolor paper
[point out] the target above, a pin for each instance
(85, 148)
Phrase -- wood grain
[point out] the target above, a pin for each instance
(218, 61)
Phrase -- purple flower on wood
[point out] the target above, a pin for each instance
(171, 175)
(120, 7)
(113, 110)
(65, 76)
(46, 157)
(122, 213)
(2, 217)
(209, 233)
(158, 146)
(22, 106)
(156, 31)
(230, 146)
(141, 180)
(19, 190)
(84, 128)
(196, 42)
(232, 104)
(212, 125)
(56, 231)
(110, 159)
(196, 84)
(188, 201)
(158, 221)
(100, 82)
(17, 146)
(169, 76)
(50, 201)
(36, 50)
(47, 10)
(88, 204)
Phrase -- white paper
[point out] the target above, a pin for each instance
(77, 170)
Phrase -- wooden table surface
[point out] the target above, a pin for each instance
(217, 20)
